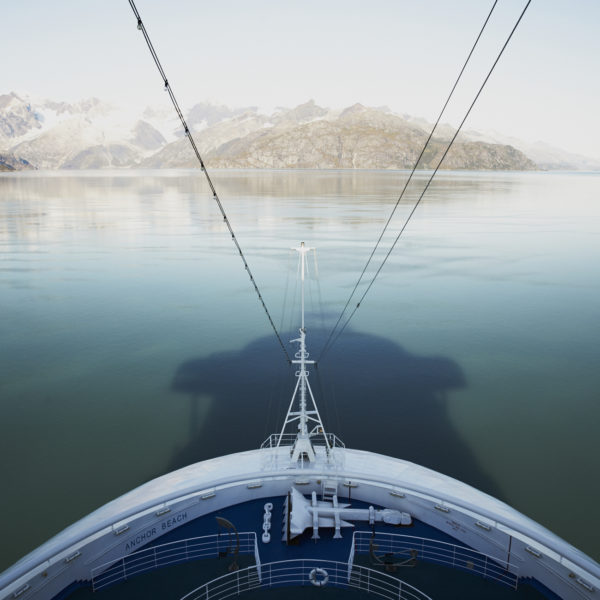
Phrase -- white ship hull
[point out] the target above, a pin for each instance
(142, 516)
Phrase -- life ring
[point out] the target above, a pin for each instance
(318, 577)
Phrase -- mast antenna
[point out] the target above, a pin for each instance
(306, 417)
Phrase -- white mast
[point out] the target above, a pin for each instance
(303, 448)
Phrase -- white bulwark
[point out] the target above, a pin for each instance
(474, 518)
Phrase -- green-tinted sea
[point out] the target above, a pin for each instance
(132, 343)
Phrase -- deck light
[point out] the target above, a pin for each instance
(585, 584)
(21, 590)
(73, 556)
(120, 530)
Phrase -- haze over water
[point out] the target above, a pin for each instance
(133, 343)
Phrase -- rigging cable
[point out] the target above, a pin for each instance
(285, 294)
(188, 133)
(320, 296)
(326, 349)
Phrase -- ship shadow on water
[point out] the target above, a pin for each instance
(371, 392)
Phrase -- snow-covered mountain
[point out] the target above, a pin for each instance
(87, 134)
(92, 134)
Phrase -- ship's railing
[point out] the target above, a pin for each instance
(288, 439)
(306, 572)
(393, 548)
(258, 564)
(172, 553)
(351, 557)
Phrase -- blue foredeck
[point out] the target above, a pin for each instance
(248, 517)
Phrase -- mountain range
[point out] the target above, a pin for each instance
(92, 134)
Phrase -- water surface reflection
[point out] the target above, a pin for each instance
(372, 392)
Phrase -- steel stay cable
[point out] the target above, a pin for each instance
(320, 296)
(285, 294)
(428, 183)
(408, 180)
(216, 198)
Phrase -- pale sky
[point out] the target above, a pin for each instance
(401, 53)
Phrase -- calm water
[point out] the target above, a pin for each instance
(132, 342)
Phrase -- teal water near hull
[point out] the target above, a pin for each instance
(133, 343)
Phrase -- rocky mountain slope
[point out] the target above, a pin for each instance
(311, 137)
(92, 134)
(359, 138)
(546, 156)
(9, 162)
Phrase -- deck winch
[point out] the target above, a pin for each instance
(304, 513)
